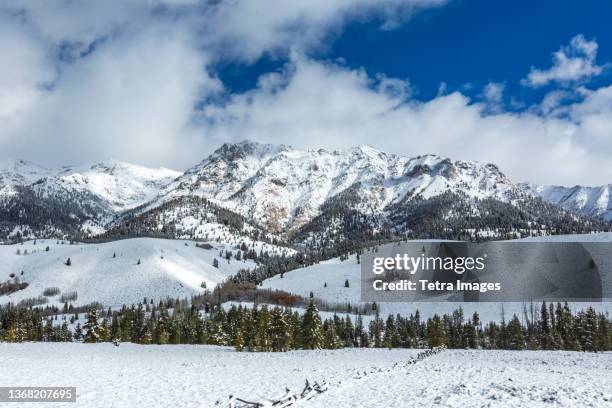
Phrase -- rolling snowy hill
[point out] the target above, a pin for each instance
(119, 272)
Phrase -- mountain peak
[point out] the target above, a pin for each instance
(250, 148)
(23, 172)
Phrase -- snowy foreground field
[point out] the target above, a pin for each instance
(204, 376)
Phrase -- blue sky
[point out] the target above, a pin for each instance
(525, 85)
(465, 45)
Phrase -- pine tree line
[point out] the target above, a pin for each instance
(553, 327)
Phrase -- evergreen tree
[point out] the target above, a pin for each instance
(279, 330)
(546, 338)
(588, 329)
(78, 332)
(391, 337)
(312, 335)
(515, 336)
(376, 329)
(330, 335)
(147, 336)
(435, 333)
(262, 333)
(92, 328)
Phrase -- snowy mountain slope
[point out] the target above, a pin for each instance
(589, 201)
(284, 188)
(109, 273)
(121, 186)
(334, 272)
(598, 237)
(87, 197)
(325, 280)
(22, 173)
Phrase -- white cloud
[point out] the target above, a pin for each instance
(493, 95)
(493, 92)
(316, 104)
(87, 80)
(571, 63)
(133, 72)
(552, 103)
(132, 99)
(245, 29)
(23, 70)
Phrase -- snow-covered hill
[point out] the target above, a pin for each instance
(589, 201)
(119, 272)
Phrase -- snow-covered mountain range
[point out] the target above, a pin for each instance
(284, 188)
(277, 188)
(118, 186)
(92, 195)
(590, 201)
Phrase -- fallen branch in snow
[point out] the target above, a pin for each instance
(286, 400)
(310, 391)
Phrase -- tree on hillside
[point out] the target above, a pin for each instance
(92, 327)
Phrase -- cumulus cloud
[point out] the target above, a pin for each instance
(314, 104)
(244, 29)
(493, 92)
(24, 69)
(87, 80)
(572, 63)
(131, 99)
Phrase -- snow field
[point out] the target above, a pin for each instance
(204, 376)
(484, 378)
(178, 376)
